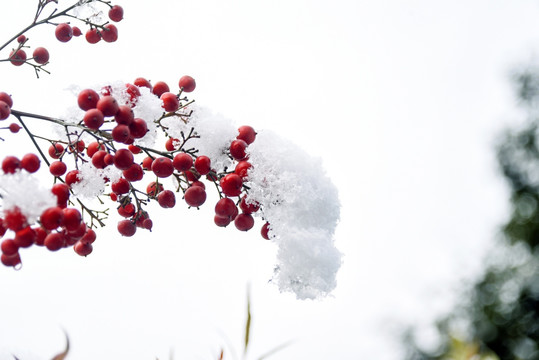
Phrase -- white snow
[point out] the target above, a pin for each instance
(302, 206)
(15, 189)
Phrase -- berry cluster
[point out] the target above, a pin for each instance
(58, 227)
(109, 119)
(64, 32)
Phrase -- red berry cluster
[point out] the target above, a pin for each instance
(58, 227)
(109, 118)
(5, 111)
(64, 32)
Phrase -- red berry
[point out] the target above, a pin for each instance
(55, 241)
(248, 208)
(237, 149)
(182, 161)
(123, 159)
(5, 97)
(187, 83)
(191, 176)
(116, 13)
(12, 260)
(231, 184)
(244, 222)
(41, 55)
(133, 173)
(108, 105)
(166, 199)
(98, 159)
(76, 31)
(21, 39)
(162, 167)
(159, 88)
(133, 93)
(78, 232)
(63, 32)
(62, 193)
(121, 133)
(25, 237)
(10, 164)
(198, 183)
(195, 196)
(41, 234)
(58, 168)
(126, 228)
(225, 207)
(127, 210)
(5, 110)
(82, 248)
(138, 128)
(242, 168)
(14, 128)
(93, 147)
(221, 221)
(30, 162)
(51, 218)
(246, 133)
(56, 150)
(120, 186)
(18, 57)
(88, 99)
(72, 219)
(89, 237)
(142, 82)
(203, 165)
(134, 149)
(153, 189)
(72, 177)
(147, 163)
(9, 247)
(77, 146)
(93, 119)
(14, 219)
(93, 36)
(171, 144)
(170, 101)
(110, 33)
(264, 231)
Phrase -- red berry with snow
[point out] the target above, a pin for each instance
(237, 149)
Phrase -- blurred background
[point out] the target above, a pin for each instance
(422, 112)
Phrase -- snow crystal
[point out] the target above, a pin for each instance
(14, 190)
(148, 107)
(216, 133)
(301, 204)
(92, 180)
(87, 9)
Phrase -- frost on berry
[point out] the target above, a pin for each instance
(93, 181)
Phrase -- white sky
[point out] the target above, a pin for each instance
(401, 101)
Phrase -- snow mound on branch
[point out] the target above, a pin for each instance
(15, 189)
(215, 131)
(301, 204)
(93, 181)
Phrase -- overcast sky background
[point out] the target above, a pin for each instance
(401, 101)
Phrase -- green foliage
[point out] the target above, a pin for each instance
(501, 312)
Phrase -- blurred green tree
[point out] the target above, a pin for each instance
(499, 316)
